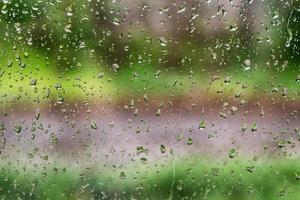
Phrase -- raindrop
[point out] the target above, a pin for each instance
(163, 41)
(158, 112)
(162, 148)
(202, 125)
(93, 125)
(233, 109)
(17, 129)
(115, 67)
(60, 100)
(116, 22)
(122, 175)
(232, 153)
(254, 127)
(189, 141)
(247, 64)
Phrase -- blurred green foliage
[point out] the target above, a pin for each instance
(66, 31)
(234, 180)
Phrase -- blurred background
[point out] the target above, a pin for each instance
(131, 99)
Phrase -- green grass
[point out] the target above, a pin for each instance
(77, 85)
(98, 83)
(190, 179)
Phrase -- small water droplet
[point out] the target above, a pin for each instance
(190, 141)
(202, 125)
(93, 125)
(163, 41)
(247, 64)
(162, 148)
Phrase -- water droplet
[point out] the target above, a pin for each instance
(254, 127)
(233, 109)
(32, 82)
(158, 112)
(17, 129)
(162, 148)
(3, 9)
(60, 100)
(115, 67)
(68, 28)
(144, 160)
(163, 41)
(202, 125)
(9, 63)
(233, 28)
(247, 64)
(122, 175)
(116, 22)
(232, 153)
(26, 55)
(181, 9)
(93, 125)
(190, 141)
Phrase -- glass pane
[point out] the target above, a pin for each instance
(130, 99)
